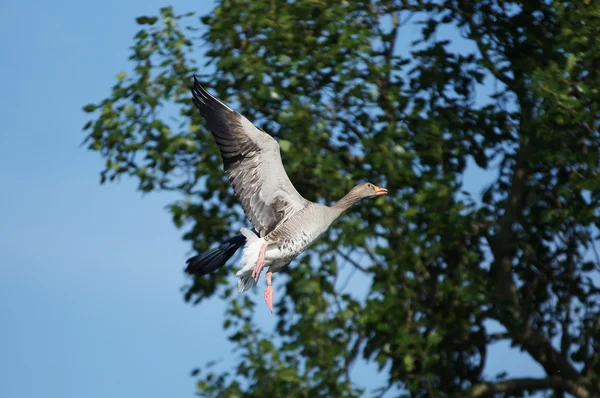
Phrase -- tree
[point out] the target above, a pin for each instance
(328, 79)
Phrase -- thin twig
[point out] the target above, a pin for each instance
(354, 263)
(493, 337)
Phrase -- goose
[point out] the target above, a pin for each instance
(285, 223)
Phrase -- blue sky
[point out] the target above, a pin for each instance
(90, 275)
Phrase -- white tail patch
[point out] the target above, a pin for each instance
(249, 258)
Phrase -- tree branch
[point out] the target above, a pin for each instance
(508, 309)
(477, 37)
(500, 244)
(528, 384)
(354, 351)
(354, 263)
(493, 337)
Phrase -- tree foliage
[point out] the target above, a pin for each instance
(514, 92)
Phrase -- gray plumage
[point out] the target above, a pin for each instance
(284, 221)
(252, 162)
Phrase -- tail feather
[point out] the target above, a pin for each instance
(249, 257)
(246, 282)
(213, 259)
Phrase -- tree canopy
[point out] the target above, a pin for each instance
(416, 96)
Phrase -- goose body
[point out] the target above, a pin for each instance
(285, 223)
(285, 242)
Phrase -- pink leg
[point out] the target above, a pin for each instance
(260, 263)
(269, 291)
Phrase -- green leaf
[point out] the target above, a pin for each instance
(409, 362)
(288, 375)
(571, 61)
(285, 145)
(146, 20)
(89, 108)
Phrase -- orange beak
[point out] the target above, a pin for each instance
(380, 191)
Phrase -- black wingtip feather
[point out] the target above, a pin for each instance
(201, 98)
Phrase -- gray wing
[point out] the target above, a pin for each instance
(252, 162)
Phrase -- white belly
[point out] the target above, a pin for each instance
(280, 254)
(286, 245)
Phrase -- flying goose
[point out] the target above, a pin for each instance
(285, 223)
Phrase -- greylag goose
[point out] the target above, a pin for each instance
(285, 223)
